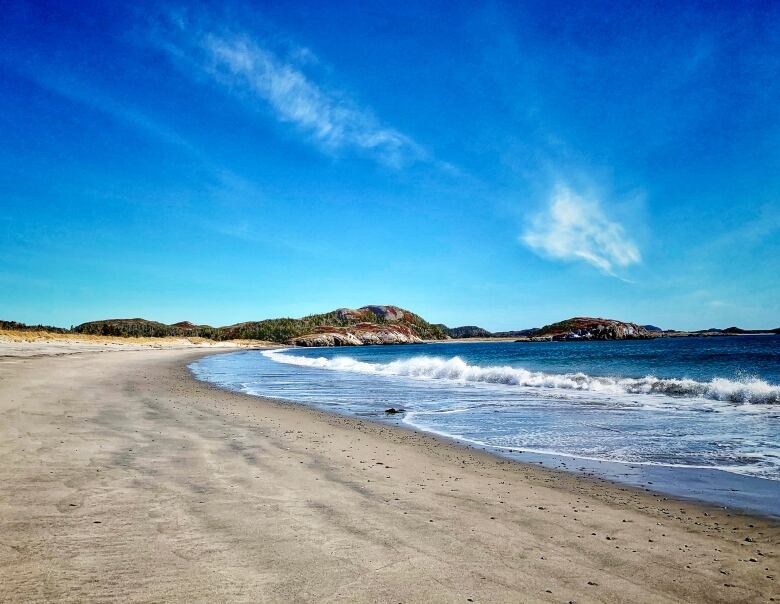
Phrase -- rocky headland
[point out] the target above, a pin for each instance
(590, 328)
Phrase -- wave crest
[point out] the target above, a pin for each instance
(748, 391)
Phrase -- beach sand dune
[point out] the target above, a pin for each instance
(123, 478)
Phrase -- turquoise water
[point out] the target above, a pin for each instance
(698, 411)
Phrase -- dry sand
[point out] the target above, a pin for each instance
(123, 478)
(36, 343)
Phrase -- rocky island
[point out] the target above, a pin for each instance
(589, 328)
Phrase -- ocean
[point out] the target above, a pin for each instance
(692, 417)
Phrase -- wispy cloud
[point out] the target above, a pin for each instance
(249, 68)
(575, 228)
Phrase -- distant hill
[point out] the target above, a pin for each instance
(467, 331)
(143, 328)
(374, 324)
(740, 331)
(522, 333)
(472, 331)
(16, 326)
(400, 325)
(715, 331)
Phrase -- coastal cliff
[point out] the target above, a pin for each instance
(358, 335)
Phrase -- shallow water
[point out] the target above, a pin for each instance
(696, 417)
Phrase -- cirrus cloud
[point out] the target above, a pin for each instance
(330, 118)
(573, 228)
(248, 67)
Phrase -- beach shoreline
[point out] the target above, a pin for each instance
(128, 478)
(556, 463)
(444, 394)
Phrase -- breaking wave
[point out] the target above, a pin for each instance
(747, 391)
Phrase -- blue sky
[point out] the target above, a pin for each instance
(500, 164)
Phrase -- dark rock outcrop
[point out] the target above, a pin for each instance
(468, 331)
(522, 333)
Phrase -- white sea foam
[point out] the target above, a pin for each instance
(751, 391)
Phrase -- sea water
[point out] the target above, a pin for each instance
(695, 417)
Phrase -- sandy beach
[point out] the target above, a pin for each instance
(123, 478)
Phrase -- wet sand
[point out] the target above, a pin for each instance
(123, 478)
